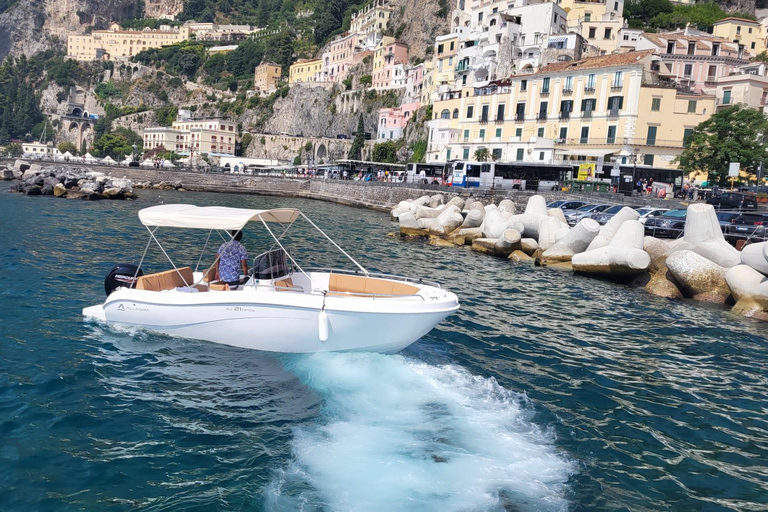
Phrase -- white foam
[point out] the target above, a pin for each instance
(403, 435)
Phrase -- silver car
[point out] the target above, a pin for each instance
(574, 216)
(647, 211)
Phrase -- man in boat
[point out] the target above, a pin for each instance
(232, 258)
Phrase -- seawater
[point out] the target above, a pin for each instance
(546, 391)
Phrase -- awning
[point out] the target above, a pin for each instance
(558, 39)
(586, 152)
(211, 217)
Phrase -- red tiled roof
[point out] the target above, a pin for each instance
(605, 61)
(741, 20)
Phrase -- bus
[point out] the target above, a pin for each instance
(625, 176)
(428, 173)
(511, 176)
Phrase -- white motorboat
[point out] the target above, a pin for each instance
(280, 306)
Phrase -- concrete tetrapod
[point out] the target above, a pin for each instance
(612, 226)
(548, 228)
(436, 200)
(502, 246)
(703, 232)
(622, 257)
(494, 223)
(750, 290)
(446, 222)
(474, 219)
(658, 250)
(756, 256)
(535, 211)
(699, 277)
(576, 241)
(506, 205)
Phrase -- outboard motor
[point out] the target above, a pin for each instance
(121, 276)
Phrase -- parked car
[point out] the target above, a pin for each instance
(342, 136)
(733, 201)
(725, 218)
(566, 205)
(747, 226)
(583, 212)
(607, 214)
(670, 224)
(646, 212)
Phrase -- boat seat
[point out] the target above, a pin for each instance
(347, 284)
(168, 280)
(286, 285)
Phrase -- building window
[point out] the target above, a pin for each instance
(452, 45)
(518, 132)
(615, 103)
(692, 106)
(592, 32)
(563, 133)
(541, 155)
(611, 139)
(618, 80)
(691, 48)
(523, 85)
(448, 155)
(496, 154)
(607, 34)
(455, 113)
(470, 111)
(590, 83)
(688, 70)
(439, 49)
(655, 104)
(520, 153)
(500, 112)
(648, 160)
(651, 138)
(482, 133)
(584, 135)
(445, 114)
(587, 17)
(545, 85)
(465, 156)
(540, 132)
(466, 135)
(498, 132)
(687, 137)
(726, 97)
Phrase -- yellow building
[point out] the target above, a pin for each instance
(118, 44)
(267, 76)
(371, 19)
(597, 21)
(611, 106)
(305, 70)
(748, 33)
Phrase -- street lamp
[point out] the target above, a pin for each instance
(633, 157)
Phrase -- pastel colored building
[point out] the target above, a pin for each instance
(267, 76)
(371, 19)
(338, 58)
(392, 121)
(748, 86)
(118, 44)
(610, 106)
(389, 53)
(305, 71)
(194, 135)
(749, 34)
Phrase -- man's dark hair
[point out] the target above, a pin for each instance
(237, 236)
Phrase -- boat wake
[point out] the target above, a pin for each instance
(398, 434)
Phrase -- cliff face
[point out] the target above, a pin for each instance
(420, 23)
(31, 26)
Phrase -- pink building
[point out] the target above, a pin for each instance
(696, 59)
(392, 121)
(388, 54)
(339, 57)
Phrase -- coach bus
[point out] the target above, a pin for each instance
(508, 176)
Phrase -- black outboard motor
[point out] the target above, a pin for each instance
(121, 276)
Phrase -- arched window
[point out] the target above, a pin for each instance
(455, 113)
(445, 114)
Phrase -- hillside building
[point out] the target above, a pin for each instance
(748, 34)
(371, 19)
(118, 44)
(305, 71)
(266, 77)
(389, 61)
(190, 136)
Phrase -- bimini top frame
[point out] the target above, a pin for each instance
(223, 218)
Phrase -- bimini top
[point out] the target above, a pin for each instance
(211, 217)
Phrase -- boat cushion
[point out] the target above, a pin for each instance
(341, 283)
(167, 280)
(285, 285)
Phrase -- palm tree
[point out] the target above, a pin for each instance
(482, 154)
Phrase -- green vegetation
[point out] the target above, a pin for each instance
(6, 5)
(664, 15)
(482, 154)
(19, 110)
(67, 146)
(106, 90)
(359, 141)
(117, 143)
(166, 115)
(418, 151)
(734, 134)
(245, 142)
(387, 151)
(366, 80)
(14, 149)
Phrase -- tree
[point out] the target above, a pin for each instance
(14, 149)
(67, 146)
(762, 56)
(366, 80)
(245, 141)
(359, 141)
(117, 143)
(639, 13)
(734, 134)
(385, 152)
(482, 154)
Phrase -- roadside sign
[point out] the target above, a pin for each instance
(600, 162)
(733, 169)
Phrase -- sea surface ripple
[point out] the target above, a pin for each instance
(546, 391)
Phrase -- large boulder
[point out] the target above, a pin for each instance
(612, 226)
(574, 242)
(658, 250)
(756, 256)
(59, 190)
(623, 256)
(663, 284)
(699, 277)
(750, 290)
(21, 165)
(703, 233)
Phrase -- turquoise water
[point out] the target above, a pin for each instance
(545, 392)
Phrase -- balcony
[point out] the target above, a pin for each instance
(619, 141)
(567, 90)
(589, 88)
(565, 115)
(484, 120)
(616, 86)
(544, 92)
(499, 119)
(614, 112)
(586, 114)
(542, 116)
(519, 117)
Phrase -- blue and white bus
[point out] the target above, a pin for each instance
(508, 176)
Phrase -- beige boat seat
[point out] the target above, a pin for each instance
(347, 284)
(286, 285)
(168, 280)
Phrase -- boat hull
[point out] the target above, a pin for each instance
(280, 321)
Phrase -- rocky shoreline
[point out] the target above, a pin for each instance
(701, 265)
